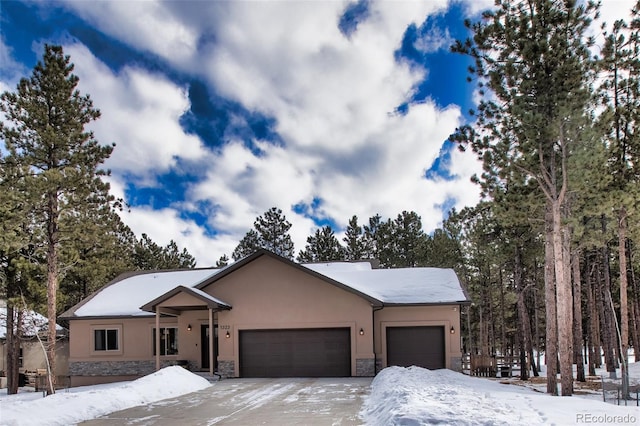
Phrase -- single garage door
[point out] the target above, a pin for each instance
(318, 352)
(421, 346)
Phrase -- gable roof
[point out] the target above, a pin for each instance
(208, 300)
(262, 252)
(400, 286)
(32, 322)
(136, 294)
(124, 295)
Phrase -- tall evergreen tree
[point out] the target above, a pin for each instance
(45, 130)
(273, 228)
(223, 261)
(323, 246)
(620, 93)
(408, 240)
(535, 61)
(149, 255)
(271, 232)
(247, 245)
(355, 245)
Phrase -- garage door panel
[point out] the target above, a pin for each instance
(322, 352)
(420, 346)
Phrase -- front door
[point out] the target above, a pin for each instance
(204, 346)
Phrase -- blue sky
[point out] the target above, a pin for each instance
(221, 110)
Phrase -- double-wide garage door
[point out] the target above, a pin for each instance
(420, 346)
(318, 352)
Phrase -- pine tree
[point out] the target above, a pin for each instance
(271, 232)
(620, 93)
(408, 240)
(273, 228)
(323, 246)
(44, 131)
(223, 261)
(355, 246)
(148, 255)
(534, 59)
(247, 245)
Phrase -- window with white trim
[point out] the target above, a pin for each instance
(106, 339)
(168, 341)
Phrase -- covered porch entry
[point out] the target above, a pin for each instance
(176, 303)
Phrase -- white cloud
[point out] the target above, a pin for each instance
(140, 113)
(475, 7)
(332, 98)
(147, 25)
(11, 70)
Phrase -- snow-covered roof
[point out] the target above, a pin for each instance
(401, 285)
(125, 297)
(32, 323)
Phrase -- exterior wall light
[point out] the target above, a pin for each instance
(362, 332)
(227, 335)
(452, 330)
(189, 327)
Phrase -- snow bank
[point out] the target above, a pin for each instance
(69, 408)
(416, 396)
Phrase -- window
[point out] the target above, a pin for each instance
(105, 339)
(168, 341)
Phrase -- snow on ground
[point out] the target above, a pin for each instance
(399, 396)
(89, 402)
(416, 396)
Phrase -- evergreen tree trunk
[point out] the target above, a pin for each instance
(52, 286)
(523, 317)
(635, 304)
(503, 316)
(13, 350)
(605, 314)
(624, 312)
(577, 317)
(564, 302)
(551, 350)
(594, 313)
(536, 325)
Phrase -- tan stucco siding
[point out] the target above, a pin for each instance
(446, 316)
(33, 356)
(135, 338)
(182, 299)
(269, 294)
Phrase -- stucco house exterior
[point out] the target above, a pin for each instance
(32, 356)
(270, 317)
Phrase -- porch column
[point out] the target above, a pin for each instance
(211, 343)
(157, 338)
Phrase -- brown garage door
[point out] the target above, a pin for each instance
(318, 352)
(421, 346)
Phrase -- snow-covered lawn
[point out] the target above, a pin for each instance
(399, 396)
(416, 396)
(89, 402)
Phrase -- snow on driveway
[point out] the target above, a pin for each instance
(399, 396)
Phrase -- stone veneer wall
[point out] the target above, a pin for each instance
(456, 363)
(115, 368)
(378, 365)
(365, 367)
(227, 368)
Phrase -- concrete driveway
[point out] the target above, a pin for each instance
(323, 401)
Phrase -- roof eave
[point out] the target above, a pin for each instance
(211, 304)
(449, 303)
